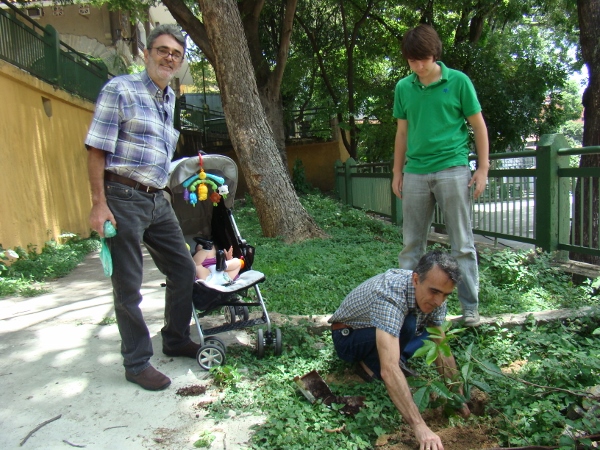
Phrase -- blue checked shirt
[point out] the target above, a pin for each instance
(383, 302)
(133, 123)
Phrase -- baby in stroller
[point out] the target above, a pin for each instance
(216, 266)
(202, 192)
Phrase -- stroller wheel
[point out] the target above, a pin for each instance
(214, 340)
(229, 313)
(260, 343)
(242, 312)
(277, 348)
(210, 356)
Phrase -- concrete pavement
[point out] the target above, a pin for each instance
(58, 360)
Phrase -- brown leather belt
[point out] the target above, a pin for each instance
(339, 326)
(111, 176)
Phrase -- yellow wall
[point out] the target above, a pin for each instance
(318, 160)
(43, 184)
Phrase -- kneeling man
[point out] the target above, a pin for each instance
(381, 323)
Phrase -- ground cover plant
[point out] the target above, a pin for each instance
(538, 383)
(26, 274)
(534, 384)
(542, 384)
(313, 277)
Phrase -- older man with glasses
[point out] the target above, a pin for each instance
(130, 145)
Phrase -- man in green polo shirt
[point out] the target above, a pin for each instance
(433, 106)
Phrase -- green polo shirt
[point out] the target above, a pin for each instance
(436, 116)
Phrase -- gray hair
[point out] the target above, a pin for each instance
(166, 28)
(441, 259)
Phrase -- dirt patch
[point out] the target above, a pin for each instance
(453, 438)
(463, 437)
(191, 391)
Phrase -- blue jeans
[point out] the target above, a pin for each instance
(361, 344)
(449, 189)
(148, 218)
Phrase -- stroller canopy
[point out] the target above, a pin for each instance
(195, 220)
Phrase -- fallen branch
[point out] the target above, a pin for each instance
(116, 426)
(38, 427)
(73, 445)
(528, 383)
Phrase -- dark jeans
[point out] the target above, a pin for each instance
(148, 218)
(361, 344)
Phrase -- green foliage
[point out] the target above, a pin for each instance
(267, 387)
(205, 440)
(108, 321)
(548, 371)
(226, 376)
(360, 246)
(54, 261)
(573, 132)
(299, 178)
(526, 281)
(297, 275)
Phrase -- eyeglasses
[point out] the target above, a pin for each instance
(164, 52)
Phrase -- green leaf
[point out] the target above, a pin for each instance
(425, 348)
(481, 385)
(440, 389)
(466, 371)
(456, 331)
(445, 350)
(432, 355)
(421, 398)
(491, 369)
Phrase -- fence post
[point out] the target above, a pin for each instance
(350, 169)
(338, 180)
(51, 53)
(547, 191)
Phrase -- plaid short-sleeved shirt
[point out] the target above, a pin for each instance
(383, 302)
(133, 123)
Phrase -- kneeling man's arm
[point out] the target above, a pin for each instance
(388, 347)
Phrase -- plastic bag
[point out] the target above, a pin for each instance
(105, 257)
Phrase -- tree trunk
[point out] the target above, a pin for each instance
(279, 210)
(268, 81)
(589, 37)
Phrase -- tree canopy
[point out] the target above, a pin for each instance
(346, 57)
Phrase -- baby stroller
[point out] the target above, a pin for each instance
(204, 214)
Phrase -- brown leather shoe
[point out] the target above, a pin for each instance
(190, 350)
(150, 379)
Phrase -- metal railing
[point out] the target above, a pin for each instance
(532, 197)
(39, 51)
(209, 123)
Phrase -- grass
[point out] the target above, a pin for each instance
(313, 277)
(27, 274)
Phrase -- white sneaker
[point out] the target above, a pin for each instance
(471, 318)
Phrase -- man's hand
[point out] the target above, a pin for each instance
(480, 180)
(428, 440)
(99, 214)
(397, 184)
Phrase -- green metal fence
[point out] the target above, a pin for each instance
(39, 51)
(532, 197)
